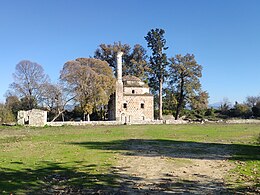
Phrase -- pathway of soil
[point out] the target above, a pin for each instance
(151, 167)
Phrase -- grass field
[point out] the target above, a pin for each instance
(44, 160)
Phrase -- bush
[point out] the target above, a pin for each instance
(6, 115)
(210, 112)
(167, 112)
(256, 111)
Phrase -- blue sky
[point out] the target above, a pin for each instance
(224, 36)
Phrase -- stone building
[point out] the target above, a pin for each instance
(132, 101)
(34, 117)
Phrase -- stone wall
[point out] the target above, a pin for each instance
(83, 123)
(243, 121)
(137, 90)
(34, 117)
(134, 111)
(175, 122)
(103, 123)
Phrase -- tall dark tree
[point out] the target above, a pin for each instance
(184, 74)
(158, 62)
(136, 64)
(108, 52)
(134, 60)
(169, 100)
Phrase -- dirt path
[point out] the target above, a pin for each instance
(180, 168)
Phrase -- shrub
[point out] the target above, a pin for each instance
(6, 114)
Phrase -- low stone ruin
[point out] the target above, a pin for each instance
(34, 117)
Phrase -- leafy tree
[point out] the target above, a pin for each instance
(6, 114)
(158, 62)
(184, 75)
(90, 80)
(134, 60)
(13, 103)
(108, 52)
(240, 110)
(29, 78)
(199, 102)
(136, 64)
(169, 100)
(210, 112)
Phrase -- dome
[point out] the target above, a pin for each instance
(131, 78)
(133, 81)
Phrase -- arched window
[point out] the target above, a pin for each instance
(142, 105)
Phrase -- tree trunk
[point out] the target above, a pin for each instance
(160, 99)
(177, 115)
(62, 115)
(180, 101)
(59, 113)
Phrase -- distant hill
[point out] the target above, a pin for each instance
(215, 105)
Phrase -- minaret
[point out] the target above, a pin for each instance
(119, 65)
(119, 87)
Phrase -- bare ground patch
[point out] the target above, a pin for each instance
(181, 168)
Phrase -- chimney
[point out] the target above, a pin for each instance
(119, 65)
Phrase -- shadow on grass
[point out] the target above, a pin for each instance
(177, 149)
(54, 178)
(61, 178)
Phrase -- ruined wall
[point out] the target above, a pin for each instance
(22, 117)
(34, 117)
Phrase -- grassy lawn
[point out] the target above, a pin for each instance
(42, 160)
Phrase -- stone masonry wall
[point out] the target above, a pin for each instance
(134, 112)
(34, 117)
(137, 90)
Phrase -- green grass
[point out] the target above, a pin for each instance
(39, 160)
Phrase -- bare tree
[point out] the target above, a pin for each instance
(29, 80)
(55, 98)
(225, 105)
(251, 101)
